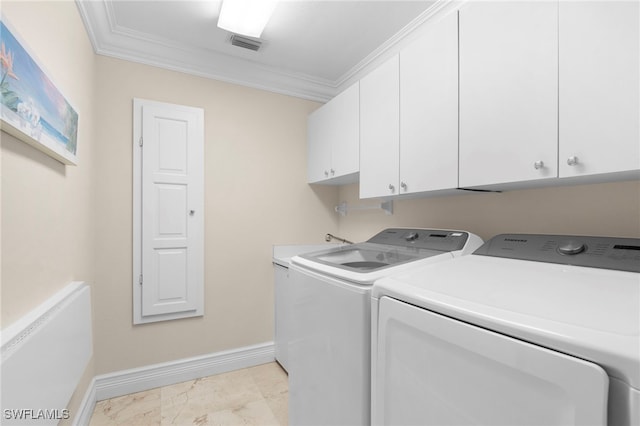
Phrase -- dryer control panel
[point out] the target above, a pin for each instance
(621, 254)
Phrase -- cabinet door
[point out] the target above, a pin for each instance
(429, 110)
(508, 92)
(333, 139)
(344, 132)
(318, 145)
(599, 87)
(380, 130)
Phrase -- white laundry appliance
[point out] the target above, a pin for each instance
(330, 346)
(282, 255)
(528, 330)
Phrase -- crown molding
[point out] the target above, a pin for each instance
(395, 44)
(110, 39)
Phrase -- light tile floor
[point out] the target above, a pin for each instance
(251, 396)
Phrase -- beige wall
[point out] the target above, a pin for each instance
(599, 209)
(255, 197)
(74, 223)
(48, 225)
(47, 207)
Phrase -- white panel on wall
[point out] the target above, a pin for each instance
(44, 356)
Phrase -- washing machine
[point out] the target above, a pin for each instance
(330, 343)
(528, 330)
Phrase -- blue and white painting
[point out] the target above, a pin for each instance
(30, 101)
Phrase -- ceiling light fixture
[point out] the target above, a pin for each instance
(246, 17)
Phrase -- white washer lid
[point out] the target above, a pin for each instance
(368, 277)
(590, 313)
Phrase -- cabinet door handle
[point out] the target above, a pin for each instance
(403, 185)
(326, 173)
(392, 188)
(538, 165)
(333, 172)
(572, 161)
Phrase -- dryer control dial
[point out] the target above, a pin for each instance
(571, 247)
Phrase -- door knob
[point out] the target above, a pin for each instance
(538, 165)
(192, 212)
(392, 188)
(572, 161)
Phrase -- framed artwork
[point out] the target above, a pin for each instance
(33, 109)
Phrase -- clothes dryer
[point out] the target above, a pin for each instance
(530, 329)
(330, 347)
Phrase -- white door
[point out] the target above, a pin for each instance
(171, 211)
(380, 130)
(434, 370)
(599, 87)
(508, 92)
(429, 110)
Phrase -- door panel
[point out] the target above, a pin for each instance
(171, 266)
(434, 370)
(171, 208)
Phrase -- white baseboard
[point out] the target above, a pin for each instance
(88, 404)
(124, 382)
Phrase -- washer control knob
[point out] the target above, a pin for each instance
(571, 247)
(412, 236)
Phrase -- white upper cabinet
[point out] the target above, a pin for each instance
(508, 92)
(429, 109)
(380, 130)
(333, 137)
(409, 117)
(599, 125)
(497, 95)
(318, 145)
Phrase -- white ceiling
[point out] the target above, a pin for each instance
(311, 48)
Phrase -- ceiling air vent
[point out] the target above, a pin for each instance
(245, 42)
